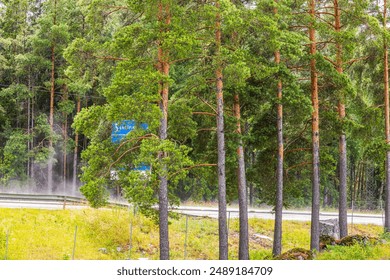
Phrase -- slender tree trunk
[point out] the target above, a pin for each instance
(51, 122)
(362, 182)
(352, 177)
(75, 151)
(51, 114)
(251, 194)
(29, 148)
(357, 181)
(64, 155)
(222, 219)
(243, 250)
(343, 222)
(29, 130)
(381, 190)
(32, 172)
(163, 65)
(277, 245)
(64, 152)
(387, 120)
(85, 140)
(315, 210)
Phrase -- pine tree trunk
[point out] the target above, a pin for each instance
(32, 172)
(29, 148)
(64, 155)
(64, 152)
(251, 194)
(359, 186)
(315, 210)
(343, 222)
(277, 244)
(163, 65)
(75, 151)
(51, 122)
(222, 219)
(29, 130)
(387, 121)
(51, 113)
(30, 127)
(243, 247)
(362, 183)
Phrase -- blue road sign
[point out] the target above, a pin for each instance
(121, 129)
(142, 167)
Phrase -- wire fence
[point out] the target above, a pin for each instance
(106, 234)
(123, 233)
(38, 243)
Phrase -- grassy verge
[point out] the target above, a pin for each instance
(30, 234)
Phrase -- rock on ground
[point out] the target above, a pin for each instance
(330, 228)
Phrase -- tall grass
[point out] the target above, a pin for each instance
(120, 234)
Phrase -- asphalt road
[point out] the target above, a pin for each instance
(355, 218)
(287, 215)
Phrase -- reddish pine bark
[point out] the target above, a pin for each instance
(51, 113)
(243, 246)
(164, 18)
(387, 121)
(315, 209)
(343, 222)
(222, 219)
(277, 244)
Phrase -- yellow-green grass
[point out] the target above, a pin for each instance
(30, 234)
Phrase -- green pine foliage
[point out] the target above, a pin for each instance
(106, 58)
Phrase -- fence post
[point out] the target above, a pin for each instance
(228, 222)
(131, 233)
(383, 219)
(352, 217)
(64, 204)
(186, 238)
(74, 244)
(6, 245)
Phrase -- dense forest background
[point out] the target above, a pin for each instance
(84, 52)
(211, 86)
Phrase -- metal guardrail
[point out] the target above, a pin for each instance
(51, 199)
(269, 211)
(43, 197)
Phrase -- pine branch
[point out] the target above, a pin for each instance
(330, 60)
(298, 165)
(207, 129)
(352, 61)
(114, 10)
(205, 102)
(325, 21)
(137, 139)
(194, 166)
(325, 13)
(204, 113)
(296, 150)
(189, 58)
(299, 136)
(111, 58)
(120, 157)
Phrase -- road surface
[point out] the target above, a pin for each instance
(287, 215)
(353, 218)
